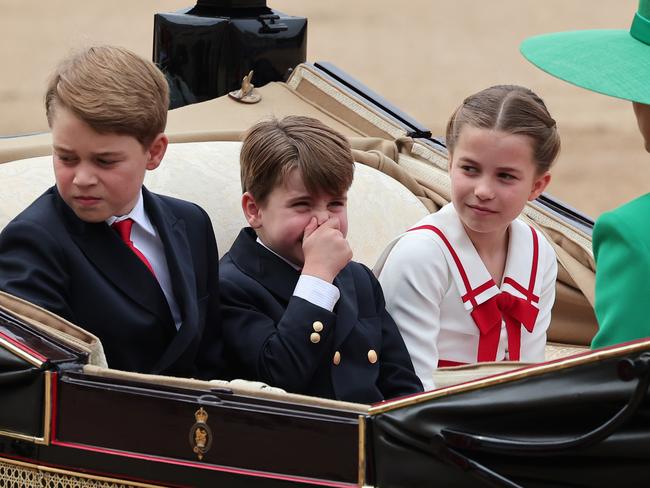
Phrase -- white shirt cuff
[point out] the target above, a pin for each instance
(316, 291)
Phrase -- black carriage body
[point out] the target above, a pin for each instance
(61, 421)
(557, 424)
(529, 427)
(206, 51)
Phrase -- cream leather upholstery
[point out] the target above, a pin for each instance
(379, 208)
(208, 173)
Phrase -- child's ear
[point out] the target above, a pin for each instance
(252, 211)
(156, 151)
(539, 185)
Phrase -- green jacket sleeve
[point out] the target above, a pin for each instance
(622, 280)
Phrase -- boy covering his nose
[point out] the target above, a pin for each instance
(297, 312)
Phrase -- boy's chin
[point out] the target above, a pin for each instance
(87, 215)
(90, 219)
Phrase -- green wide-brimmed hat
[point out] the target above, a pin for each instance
(614, 62)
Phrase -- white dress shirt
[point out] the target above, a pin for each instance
(146, 239)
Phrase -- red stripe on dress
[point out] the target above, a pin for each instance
(477, 291)
(531, 297)
(471, 293)
(533, 270)
(443, 363)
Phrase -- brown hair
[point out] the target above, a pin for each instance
(273, 148)
(512, 109)
(112, 90)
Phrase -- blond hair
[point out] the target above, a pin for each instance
(273, 148)
(512, 109)
(113, 90)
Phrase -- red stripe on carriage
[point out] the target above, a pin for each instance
(23, 347)
(54, 394)
(210, 467)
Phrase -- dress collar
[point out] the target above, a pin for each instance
(473, 280)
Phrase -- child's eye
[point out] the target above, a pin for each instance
(337, 203)
(469, 169)
(65, 159)
(106, 162)
(507, 176)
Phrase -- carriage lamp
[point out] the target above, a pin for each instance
(206, 50)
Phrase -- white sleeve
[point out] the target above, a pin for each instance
(415, 279)
(548, 274)
(316, 291)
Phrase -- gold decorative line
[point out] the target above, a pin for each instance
(19, 352)
(304, 73)
(511, 376)
(362, 450)
(22, 437)
(47, 412)
(77, 474)
(47, 409)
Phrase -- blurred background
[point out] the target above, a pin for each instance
(425, 56)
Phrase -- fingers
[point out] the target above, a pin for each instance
(311, 227)
(332, 223)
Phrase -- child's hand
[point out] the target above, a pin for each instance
(325, 249)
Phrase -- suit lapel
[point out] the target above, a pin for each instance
(173, 235)
(265, 267)
(103, 247)
(280, 279)
(346, 308)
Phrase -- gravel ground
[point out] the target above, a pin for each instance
(424, 56)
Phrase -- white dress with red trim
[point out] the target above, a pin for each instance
(448, 308)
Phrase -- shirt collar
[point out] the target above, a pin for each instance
(138, 215)
(297, 268)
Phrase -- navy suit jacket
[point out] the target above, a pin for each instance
(86, 274)
(268, 330)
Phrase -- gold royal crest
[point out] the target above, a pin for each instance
(200, 434)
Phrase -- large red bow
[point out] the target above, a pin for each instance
(488, 316)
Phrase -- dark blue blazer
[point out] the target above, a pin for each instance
(268, 331)
(87, 275)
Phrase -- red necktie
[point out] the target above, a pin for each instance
(123, 228)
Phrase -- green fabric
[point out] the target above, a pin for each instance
(612, 62)
(644, 8)
(621, 241)
(640, 29)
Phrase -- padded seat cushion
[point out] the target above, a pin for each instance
(207, 173)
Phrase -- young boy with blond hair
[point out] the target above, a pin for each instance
(138, 270)
(297, 312)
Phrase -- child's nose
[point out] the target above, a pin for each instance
(484, 190)
(322, 215)
(84, 175)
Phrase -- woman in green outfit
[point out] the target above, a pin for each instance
(615, 63)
